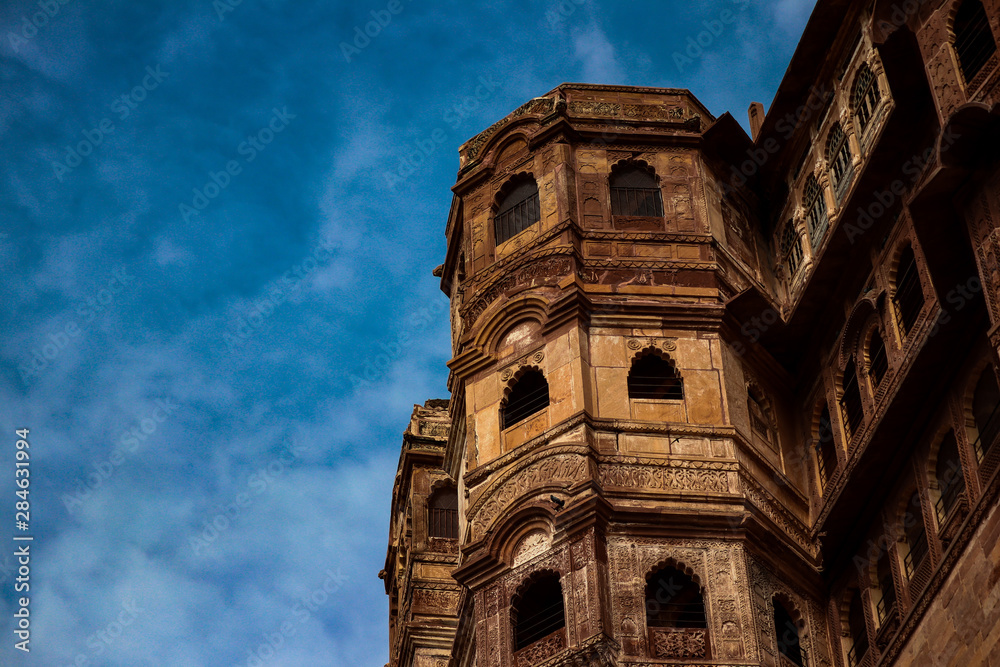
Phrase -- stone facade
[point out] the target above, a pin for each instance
(816, 482)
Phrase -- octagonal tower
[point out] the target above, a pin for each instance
(619, 458)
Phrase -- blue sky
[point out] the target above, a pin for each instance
(216, 223)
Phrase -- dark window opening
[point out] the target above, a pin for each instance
(850, 402)
(759, 421)
(654, 377)
(538, 612)
(949, 476)
(909, 296)
(916, 536)
(887, 604)
(442, 514)
(787, 633)
(634, 192)
(827, 450)
(974, 43)
(530, 394)
(865, 97)
(673, 600)
(878, 362)
(519, 210)
(985, 404)
(858, 630)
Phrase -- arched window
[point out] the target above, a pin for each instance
(815, 204)
(760, 418)
(538, 611)
(634, 191)
(791, 248)
(865, 97)
(974, 43)
(838, 155)
(878, 363)
(886, 606)
(850, 401)
(654, 377)
(986, 411)
(530, 394)
(949, 476)
(442, 513)
(787, 632)
(825, 448)
(909, 296)
(675, 616)
(916, 536)
(518, 209)
(858, 631)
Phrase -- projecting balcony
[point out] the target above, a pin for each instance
(542, 649)
(951, 508)
(887, 613)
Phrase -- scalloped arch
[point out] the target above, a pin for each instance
(512, 313)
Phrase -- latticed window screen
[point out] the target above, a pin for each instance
(787, 634)
(656, 378)
(442, 514)
(916, 536)
(538, 612)
(865, 96)
(519, 210)
(815, 205)
(909, 296)
(974, 42)
(530, 394)
(825, 448)
(838, 155)
(878, 362)
(791, 248)
(949, 476)
(850, 401)
(634, 192)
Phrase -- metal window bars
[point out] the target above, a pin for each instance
(850, 402)
(866, 96)
(541, 624)
(909, 296)
(442, 522)
(520, 406)
(917, 553)
(791, 248)
(515, 219)
(637, 202)
(974, 41)
(878, 362)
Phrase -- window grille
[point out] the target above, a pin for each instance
(866, 96)
(850, 402)
(974, 42)
(878, 362)
(530, 394)
(655, 378)
(909, 296)
(916, 536)
(791, 248)
(634, 192)
(815, 205)
(949, 475)
(838, 155)
(538, 612)
(519, 210)
(442, 514)
(986, 412)
(826, 449)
